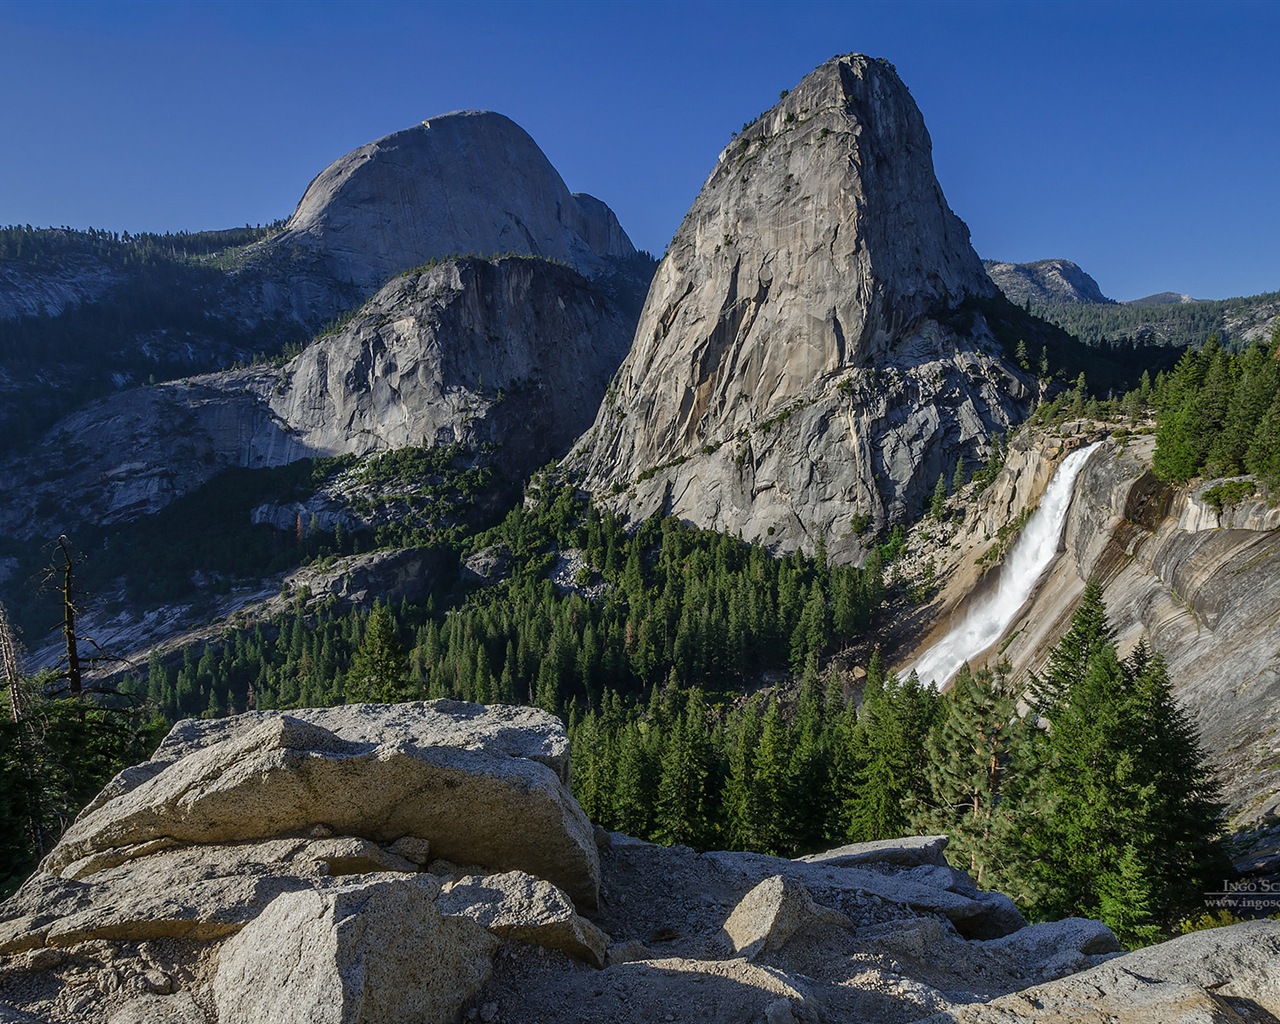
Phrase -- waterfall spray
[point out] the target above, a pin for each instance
(987, 617)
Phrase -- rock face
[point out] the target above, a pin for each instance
(1045, 281)
(331, 865)
(793, 370)
(48, 290)
(513, 353)
(1199, 584)
(467, 182)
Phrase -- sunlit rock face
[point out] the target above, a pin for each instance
(1045, 281)
(796, 370)
(468, 182)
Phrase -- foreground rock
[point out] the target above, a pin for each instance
(800, 369)
(1225, 974)
(374, 953)
(424, 862)
(264, 775)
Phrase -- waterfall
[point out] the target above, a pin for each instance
(989, 616)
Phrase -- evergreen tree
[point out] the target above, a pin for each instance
(938, 503)
(968, 752)
(1128, 822)
(892, 728)
(380, 668)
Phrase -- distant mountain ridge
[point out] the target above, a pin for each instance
(1059, 291)
(1045, 281)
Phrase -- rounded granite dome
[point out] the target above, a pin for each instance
(466, 182)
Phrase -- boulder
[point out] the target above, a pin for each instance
(515, 905)
(909, 851)
(1221, 974)
(363, 953)
(274, 775)
(768, 916)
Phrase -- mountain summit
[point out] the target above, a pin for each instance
(798, 370)
(470, 181)
(1046, 281)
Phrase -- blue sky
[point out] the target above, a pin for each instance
(1140, 140)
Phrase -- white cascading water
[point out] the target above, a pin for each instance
(989, 616)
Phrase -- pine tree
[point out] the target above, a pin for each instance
(1129, 819)
(682, 813)
(892, 728)
(968, 765)
(938, 503)
(380, 668)
(773, 824)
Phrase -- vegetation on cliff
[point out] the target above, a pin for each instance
(1218, 414)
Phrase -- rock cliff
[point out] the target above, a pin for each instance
(513, 353)
(793, 374)
(425, 862)
(1198, 583)
(467, 182)
(1045, 281)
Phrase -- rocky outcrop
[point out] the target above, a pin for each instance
(263, 775)
(467, 182)
(1226, 974)
(1045, 281)
(512, 355)
(1198, 583)
(317, 865)
(794, 373)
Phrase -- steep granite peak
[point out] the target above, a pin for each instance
(819, 252)
(470, 181)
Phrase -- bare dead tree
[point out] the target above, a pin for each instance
(10, 664)
(72, 665)
(73, 671)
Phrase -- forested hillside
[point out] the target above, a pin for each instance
(1118, 326)
(83, 313)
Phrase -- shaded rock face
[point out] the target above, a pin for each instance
(1045, 281)
(48, 290)
(514, 353)
(791, 370)
(470, 181)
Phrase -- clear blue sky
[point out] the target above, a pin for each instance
(1140, 140)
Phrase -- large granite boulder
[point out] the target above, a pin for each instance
(267, 775)
(365, 953)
